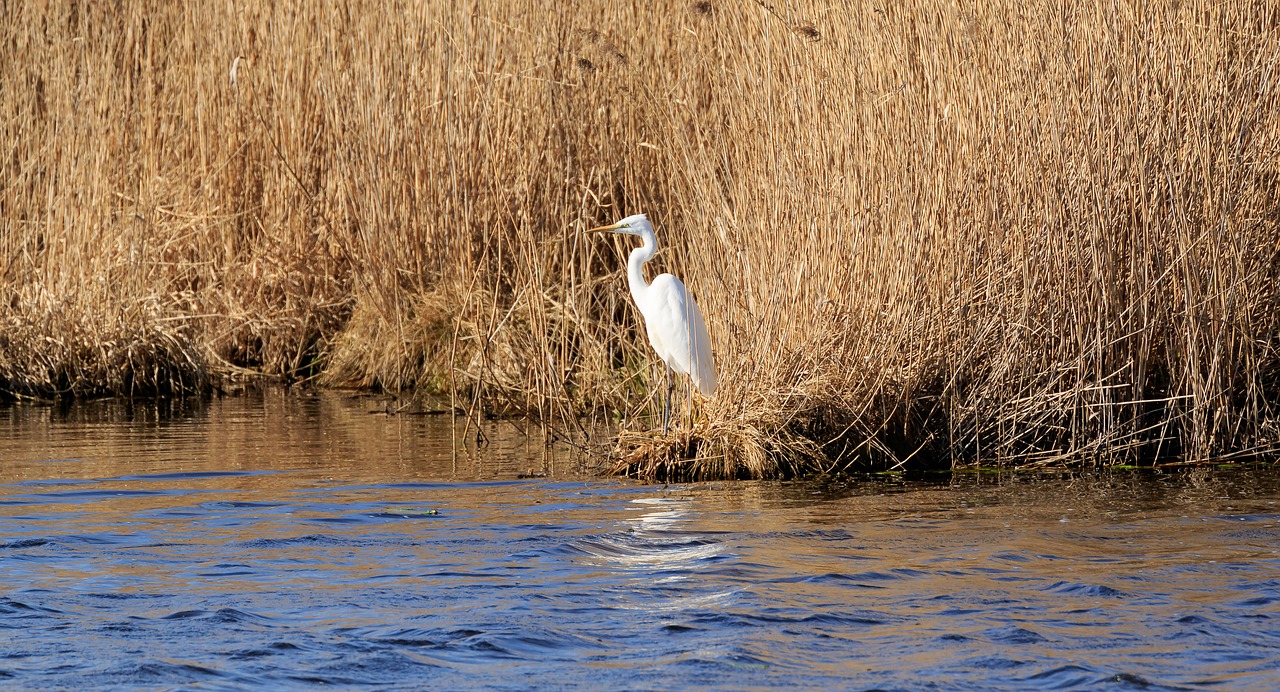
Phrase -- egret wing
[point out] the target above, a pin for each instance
(701, 368)
(678, 332)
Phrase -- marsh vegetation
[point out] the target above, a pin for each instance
(1026, 234)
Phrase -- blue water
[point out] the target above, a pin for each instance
(303, 541)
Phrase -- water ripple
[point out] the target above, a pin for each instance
(315, 571)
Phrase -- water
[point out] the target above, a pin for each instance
(284, 541)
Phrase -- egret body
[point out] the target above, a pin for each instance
(671, 318)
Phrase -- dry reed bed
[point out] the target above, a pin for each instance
(1027, 234)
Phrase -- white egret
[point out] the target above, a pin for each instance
(672, 319)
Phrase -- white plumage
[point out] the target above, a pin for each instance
(671, 318)
(677, 332)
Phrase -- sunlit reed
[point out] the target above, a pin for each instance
(1021, 234)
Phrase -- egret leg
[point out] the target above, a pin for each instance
(666, 410)
(688, 401)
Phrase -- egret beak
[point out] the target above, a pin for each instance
(602, 229)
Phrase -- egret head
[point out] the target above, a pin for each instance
(636, 224)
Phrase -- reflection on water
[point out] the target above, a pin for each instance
(276, 431)
(294, 541)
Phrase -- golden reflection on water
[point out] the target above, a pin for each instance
(119, 468)
(332, 433)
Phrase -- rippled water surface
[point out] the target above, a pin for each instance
(289, 541)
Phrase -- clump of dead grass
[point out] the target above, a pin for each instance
(54, 348)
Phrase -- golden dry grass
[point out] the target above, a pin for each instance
(1022, 233)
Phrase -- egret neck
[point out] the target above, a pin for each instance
(636, 260)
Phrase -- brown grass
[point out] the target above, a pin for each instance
(1027, 234)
